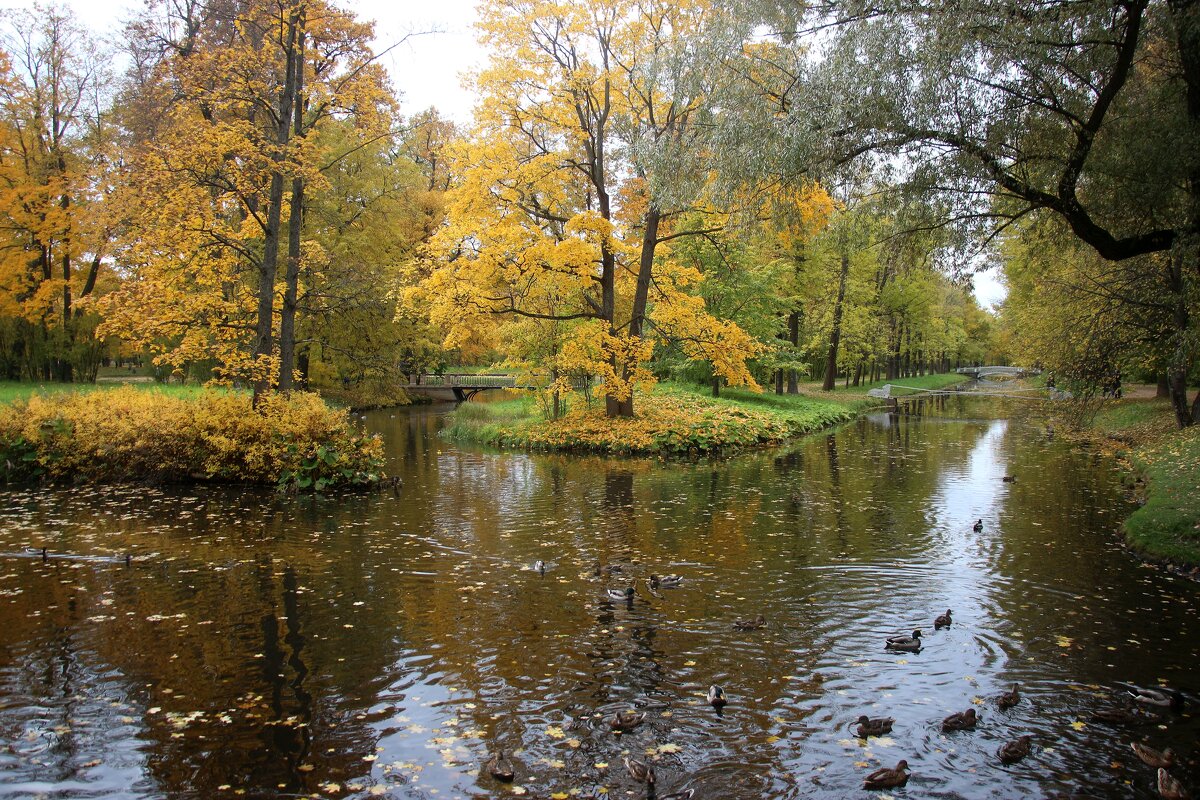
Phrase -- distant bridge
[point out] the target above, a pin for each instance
(464, 386)
(1007, 372)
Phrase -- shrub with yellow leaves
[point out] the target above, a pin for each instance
(129, 434)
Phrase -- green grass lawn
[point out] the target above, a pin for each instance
(672, 418)
(1167, 526)
(12, 391)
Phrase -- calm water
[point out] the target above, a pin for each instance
(382, 646)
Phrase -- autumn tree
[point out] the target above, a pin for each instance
(584, 167)
(55, 154)
(245, 88)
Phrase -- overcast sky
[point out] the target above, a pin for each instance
(431, 44)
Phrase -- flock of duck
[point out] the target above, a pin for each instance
(501, 768)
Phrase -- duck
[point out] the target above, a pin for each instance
(1014, 751)
(716, 696)
(886, 778)
(664, 581)
(1009, 699)
(1153, 758)
(960, 721)
(640, 771)
(750, 624)
(539, 565)
(978, 526)
(625, 721)
(1162, 698)
(942, 621)
(499, 767)
(1170, 788)
(1121, 716)
(620, 594)
(1010, 478)
(873, 727)
(907, 643)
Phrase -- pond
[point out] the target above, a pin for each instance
(385, 645)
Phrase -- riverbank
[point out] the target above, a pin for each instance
(1166, 464)
(672, 419)
(156, 434)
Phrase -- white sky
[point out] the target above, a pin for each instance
(425, 68)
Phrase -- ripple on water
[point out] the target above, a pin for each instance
(395, 642)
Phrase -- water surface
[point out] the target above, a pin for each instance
(383, 645)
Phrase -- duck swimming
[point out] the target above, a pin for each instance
(716, 696)
(1153, 758)
(1014, 751)
(909, 644)
(942, 621)
(621, 594)
(1170, 788)
(640, 771)
(664, 581)
(960, 721)
(866, 726)
(499, 767)
(978, 526)
(887, 778)
(539, 565)
(750, 624)
(1009, 699)
(625, 721)
(1162, 698)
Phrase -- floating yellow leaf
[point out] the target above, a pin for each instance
(555, 732)
(772, 739)
(1078, 725)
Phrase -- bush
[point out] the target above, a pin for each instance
(132, 435)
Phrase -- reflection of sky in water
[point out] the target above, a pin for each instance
(411, 637)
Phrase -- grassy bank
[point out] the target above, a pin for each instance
(672, 419)
(161, 434)
(1167, 460)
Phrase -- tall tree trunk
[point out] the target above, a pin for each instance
(264, 325)
(641, 295)
(793, 380)
(291, 279)
(1185, 14)
(835, 334)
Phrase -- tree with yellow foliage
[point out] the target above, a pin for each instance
(587, 163)
(244, 88)
(55, 148)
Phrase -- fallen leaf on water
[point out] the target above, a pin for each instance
(1078, 725)
(555, 732)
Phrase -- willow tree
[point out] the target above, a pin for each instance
(1088, 110)
(586, 165)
